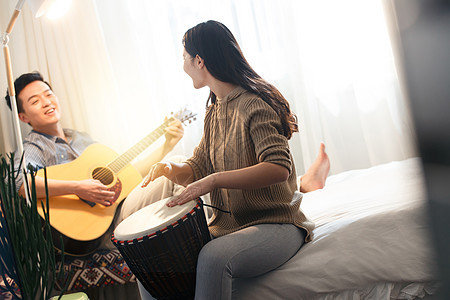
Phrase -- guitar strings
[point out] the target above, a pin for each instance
(117, 164)
(121, 161)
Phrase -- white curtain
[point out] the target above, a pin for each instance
(116, 66)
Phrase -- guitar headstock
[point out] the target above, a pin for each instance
(184, 115)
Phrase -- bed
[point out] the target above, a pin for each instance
(371, 241)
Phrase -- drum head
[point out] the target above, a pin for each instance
(150, 219)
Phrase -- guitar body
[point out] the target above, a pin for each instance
(81, 224)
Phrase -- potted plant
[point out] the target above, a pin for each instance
(27, 262)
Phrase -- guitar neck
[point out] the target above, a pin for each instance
(124, 159)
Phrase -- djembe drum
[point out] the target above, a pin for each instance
(161, 245)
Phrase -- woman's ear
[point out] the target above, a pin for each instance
(199, 62)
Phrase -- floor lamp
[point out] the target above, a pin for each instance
(39, 8)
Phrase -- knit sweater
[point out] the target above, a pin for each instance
(242, 130)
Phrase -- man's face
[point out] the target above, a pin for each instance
(40, 106)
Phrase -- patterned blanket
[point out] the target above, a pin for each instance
(102, 268)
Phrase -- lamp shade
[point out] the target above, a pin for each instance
(40, 7)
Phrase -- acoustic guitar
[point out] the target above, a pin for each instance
(81, 223)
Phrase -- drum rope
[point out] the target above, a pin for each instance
(215, 207)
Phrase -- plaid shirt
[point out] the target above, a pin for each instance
(242, 130)
(43, 150)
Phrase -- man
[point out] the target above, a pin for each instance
(49, 144)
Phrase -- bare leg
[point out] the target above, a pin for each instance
(317, 173)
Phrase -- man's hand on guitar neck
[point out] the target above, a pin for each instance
(174, 133)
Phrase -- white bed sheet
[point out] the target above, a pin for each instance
(371, 231)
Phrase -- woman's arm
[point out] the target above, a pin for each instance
(257, 176)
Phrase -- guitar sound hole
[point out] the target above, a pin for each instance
(104, 175)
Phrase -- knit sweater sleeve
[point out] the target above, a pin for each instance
(266, 133)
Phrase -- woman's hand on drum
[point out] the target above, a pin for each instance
(194, 190)
(157, 170)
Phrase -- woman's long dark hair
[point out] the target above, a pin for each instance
(223, 58)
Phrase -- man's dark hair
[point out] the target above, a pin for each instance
(20, 83)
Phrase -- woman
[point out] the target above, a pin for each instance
(244, 161)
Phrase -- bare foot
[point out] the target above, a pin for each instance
(317, 173)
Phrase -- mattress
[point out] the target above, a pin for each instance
(371, 241)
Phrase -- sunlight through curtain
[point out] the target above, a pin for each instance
(117, 69)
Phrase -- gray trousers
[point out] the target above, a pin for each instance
(249, 252)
